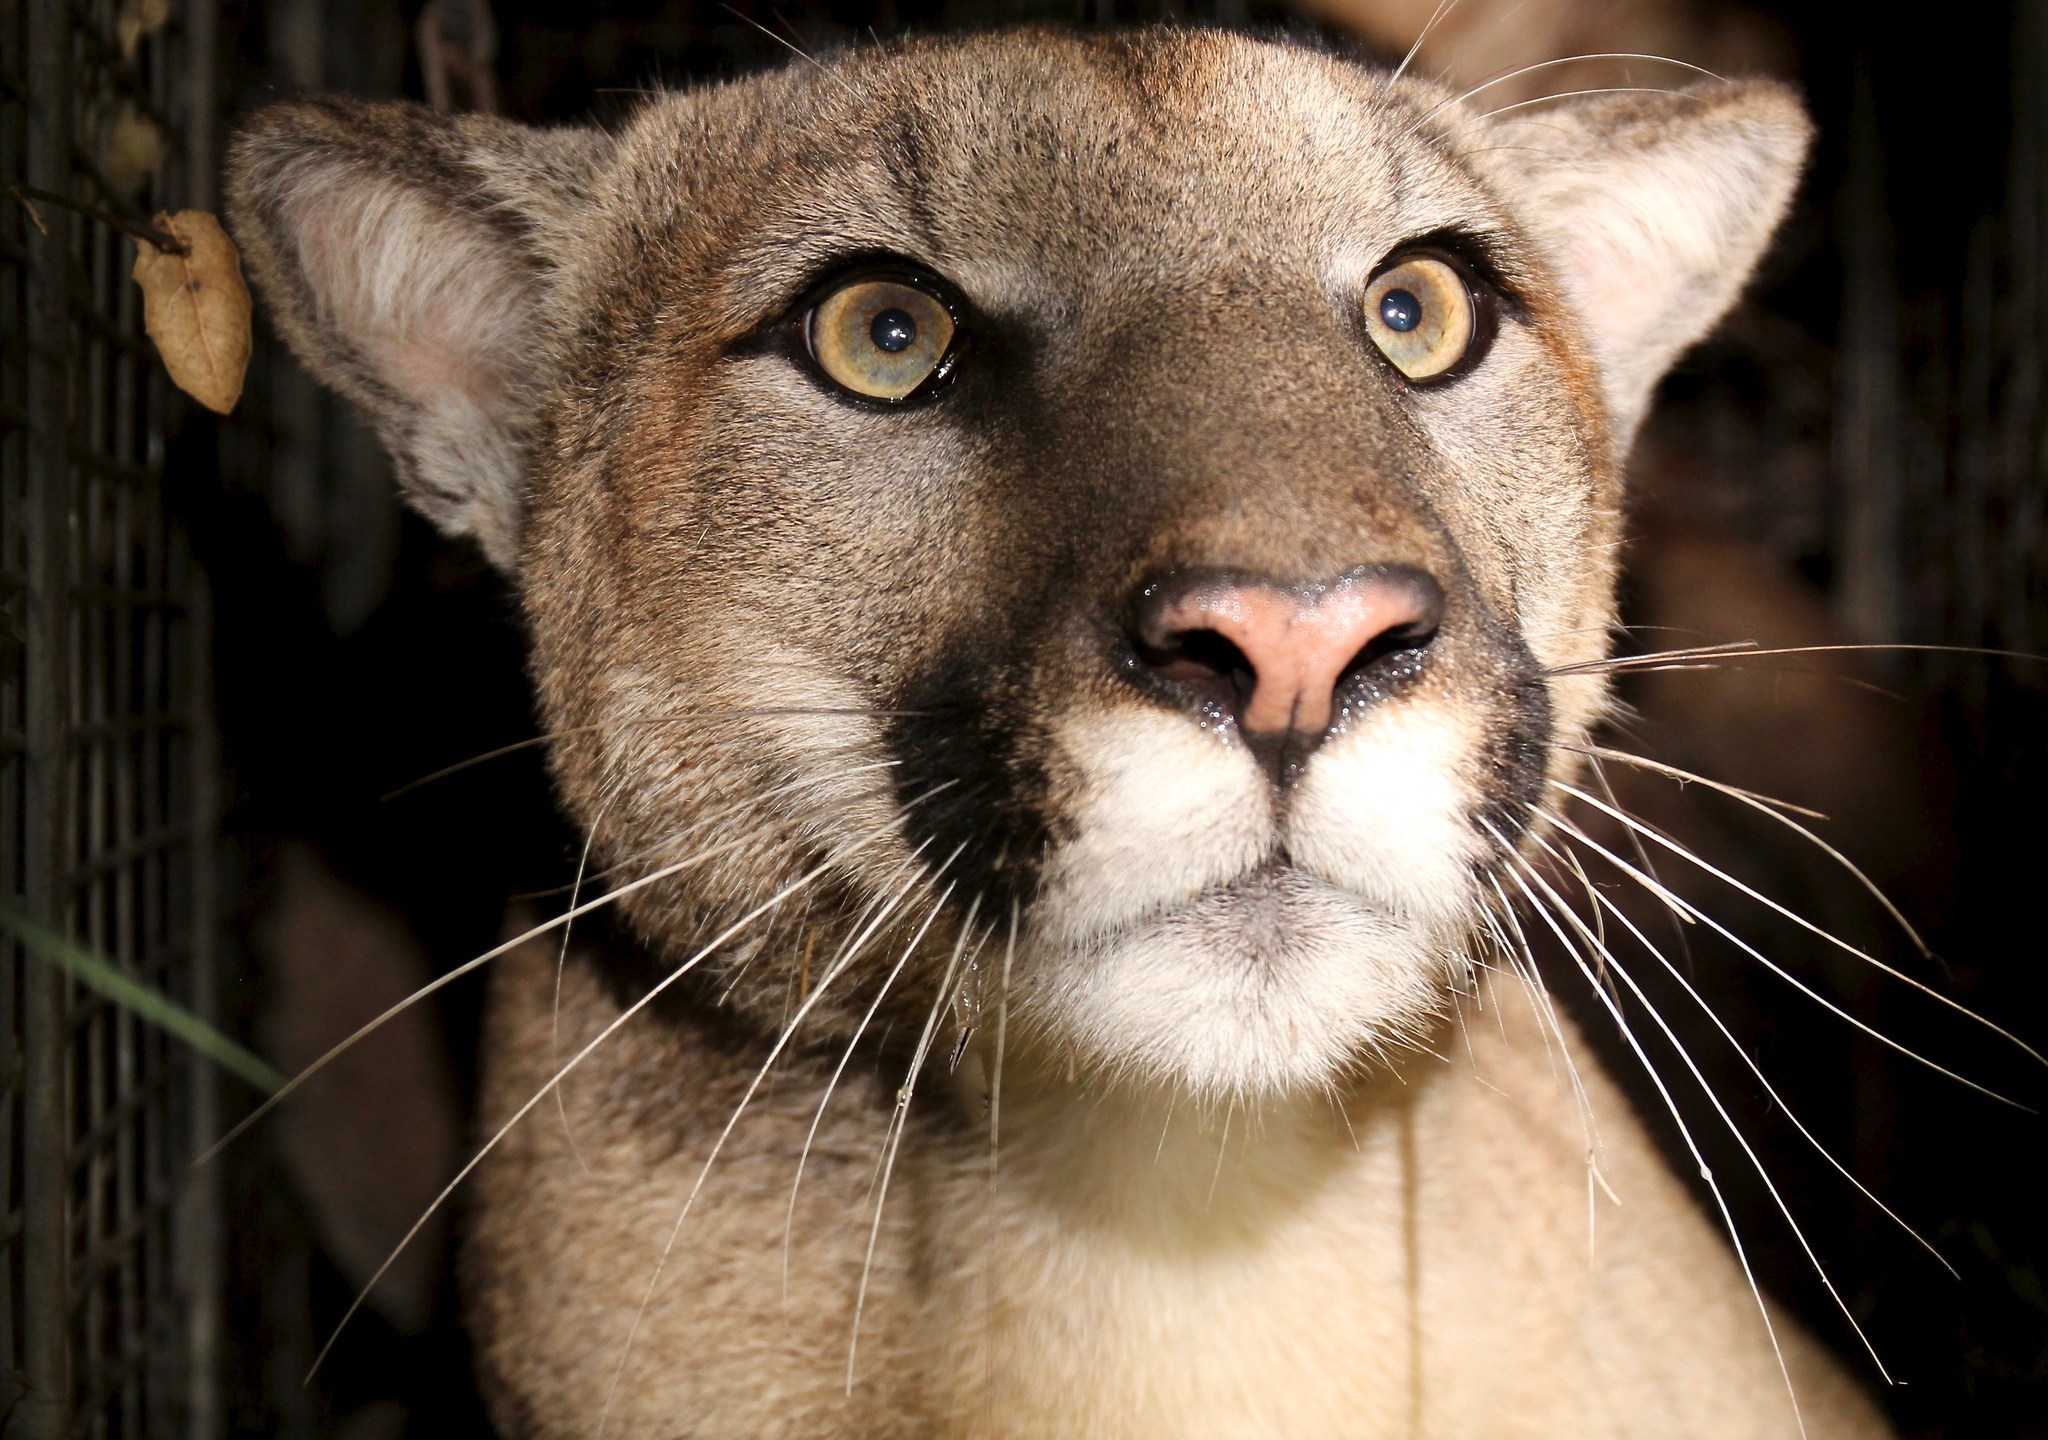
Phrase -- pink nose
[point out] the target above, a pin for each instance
(1276, 657)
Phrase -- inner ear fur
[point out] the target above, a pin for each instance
(407, 257)
(1654, 208)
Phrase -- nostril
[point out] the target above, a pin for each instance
(1203, 661)
(1395, 649)
(1284, 659)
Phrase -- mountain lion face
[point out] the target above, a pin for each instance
(1105, 520)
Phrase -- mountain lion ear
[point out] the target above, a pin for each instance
(1654, 209)
(407, 257)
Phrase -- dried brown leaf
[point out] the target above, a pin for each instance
(195, 307)
(137, 19)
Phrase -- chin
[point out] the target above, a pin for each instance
(1272, 985)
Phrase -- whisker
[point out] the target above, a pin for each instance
(1750, 649)
(1642, 854)
(995, 1086)
(735, 815)
(796, 50)
(1516, 866)
(1651, 832)
(1573, 95)
(1713, 1098)
(1796, 983)
(1685, 777)
(1755, 1069)
(1767, 806)
(1561, 60)
(1493, 27)
(1589, 1125)
(561, 966)
(839, 967)
(894, 1139)
(441, 982)
(673, 717)
(832, 1084)
(1443, 8)
(800, 883)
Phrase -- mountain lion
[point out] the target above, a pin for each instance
(1067, 577)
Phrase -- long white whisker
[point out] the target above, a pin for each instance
(1679, 919)
(1714, 1099)
(1589, 1125)
(1492, 27)
(800, 52)
(1755, 1069)
(670, 717)
(1515, 868)
(1750, 649)
(839, 967)
(1443, 8)
(441, 982)
(898, 1121)
(801, 882)
(1573, 95)
(1652, 833)
(1520, 71)
(995, 1085)
(561, 966)
(845, 1058)
(727, 815)
(1765, 805)
(1691, 777)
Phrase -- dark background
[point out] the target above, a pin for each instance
(1858, 458)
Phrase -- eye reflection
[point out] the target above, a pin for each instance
(894, 331)
(1400, 310)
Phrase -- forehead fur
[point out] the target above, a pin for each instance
(1027, 163)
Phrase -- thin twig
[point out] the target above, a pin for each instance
(140, 229)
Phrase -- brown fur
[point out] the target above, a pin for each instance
(878, 658)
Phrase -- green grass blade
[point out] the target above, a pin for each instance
(131, 994)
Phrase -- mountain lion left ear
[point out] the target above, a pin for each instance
(1653, 208)
(408, 258)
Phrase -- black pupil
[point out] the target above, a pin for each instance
(893, 331)
(1398, 308)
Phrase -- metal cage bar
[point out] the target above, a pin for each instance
(107, 1295)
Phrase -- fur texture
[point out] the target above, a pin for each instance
(920, 841)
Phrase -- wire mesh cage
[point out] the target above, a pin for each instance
(106, 1276)
(124, 1310)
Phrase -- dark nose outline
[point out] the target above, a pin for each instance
(1276, 657)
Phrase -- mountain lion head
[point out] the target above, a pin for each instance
(1118, 511)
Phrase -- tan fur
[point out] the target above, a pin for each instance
(1418, 1256)
(863, 678)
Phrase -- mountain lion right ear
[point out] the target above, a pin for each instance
(407, 256)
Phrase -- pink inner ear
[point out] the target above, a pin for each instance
(421, 295)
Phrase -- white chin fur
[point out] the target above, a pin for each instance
(1169, 945)
(1276, 984)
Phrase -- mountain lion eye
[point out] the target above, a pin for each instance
(879, 338)
(1421, 315)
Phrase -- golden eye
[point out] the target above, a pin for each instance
(880, 338)
(1420, 313)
